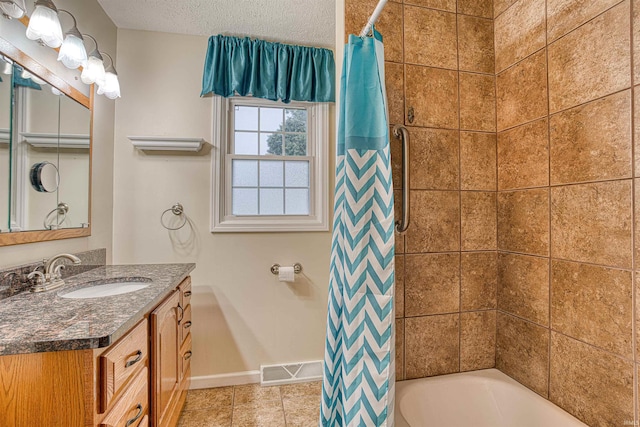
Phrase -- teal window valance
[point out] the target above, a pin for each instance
(268, 70)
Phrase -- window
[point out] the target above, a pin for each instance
(269, 166)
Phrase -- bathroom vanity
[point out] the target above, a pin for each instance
(119, 360)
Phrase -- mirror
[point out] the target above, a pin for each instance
(6, 70)
(45, 154)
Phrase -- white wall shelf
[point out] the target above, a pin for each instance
(53, 140)
(161, 143)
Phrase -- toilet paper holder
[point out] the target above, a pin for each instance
(297, 268)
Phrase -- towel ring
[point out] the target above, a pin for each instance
(177, 210)
(61, 209)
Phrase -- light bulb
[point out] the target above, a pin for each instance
(5, 67)
(13, 8)
(44, 24)
(72, 52)
(55, 91)
(93, 72)
(110, 87)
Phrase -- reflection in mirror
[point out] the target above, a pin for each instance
(45, 177)
(50, 148)
(5, 132)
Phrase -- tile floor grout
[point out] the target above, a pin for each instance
(292, 405)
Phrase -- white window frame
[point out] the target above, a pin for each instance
(222, 220)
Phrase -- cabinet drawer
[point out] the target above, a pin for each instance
(185, 324)
(144, 422)
(185, 357)
(131, 408)
(121, 362)
(185, 292)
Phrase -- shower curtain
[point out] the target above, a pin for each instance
(359, 364)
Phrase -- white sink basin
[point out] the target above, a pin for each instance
(107, 289)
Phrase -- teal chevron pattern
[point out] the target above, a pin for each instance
(359, 364)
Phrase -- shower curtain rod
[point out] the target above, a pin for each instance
(374, 17)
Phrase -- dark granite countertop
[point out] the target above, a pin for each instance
(40, 322)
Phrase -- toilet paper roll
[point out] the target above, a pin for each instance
(286, 274)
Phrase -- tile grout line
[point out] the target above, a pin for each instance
(497, 177)
(634, 301)
(460, 242)
(549, 201)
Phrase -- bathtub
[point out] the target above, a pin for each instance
(485, 398)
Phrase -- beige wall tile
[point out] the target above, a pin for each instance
(584, 65)
(593, 141)
(523, 221)
(357, 12)
(478, 281)
(522, 352)
(482, 8)
(592, 223)
(478, 220)
(477, 102)
(477, 340)
(432, 345)
(399, 290)
(523, 286)
(593, 304)
(499, 6)
(399, 349)
(430, 37)
(434, 159)
(519, 32)
(523, 156)
(565, 15)
(449, 5)
(432, 284)
(636, 40)
(521, 92)
(475, 44)
(594, 386)
(394, 79)
(435, 222)
(433, 94)
(477, 161)
(636, 123)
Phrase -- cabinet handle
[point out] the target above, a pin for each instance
(181, 316)
(134, 361)
(134, 419)
(187, 294)
(188, 355)
(187, 325)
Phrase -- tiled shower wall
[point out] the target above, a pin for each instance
(566, 170)
(440, 63)
(566, 262)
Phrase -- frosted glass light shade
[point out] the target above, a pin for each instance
(44, 25)
(93, 72)
(110, 86)
(13, 8)
(72, 52)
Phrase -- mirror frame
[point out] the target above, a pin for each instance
(15, 54)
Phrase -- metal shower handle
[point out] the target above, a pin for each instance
(401, 132)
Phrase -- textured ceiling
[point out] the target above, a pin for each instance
(307, 22)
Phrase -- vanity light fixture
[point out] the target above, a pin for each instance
(6, 67)
(110, 86)
(13, 8)
(27, 75)
(72, 52)
(93, 71)
(44, 24)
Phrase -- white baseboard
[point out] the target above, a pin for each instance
(223, 380)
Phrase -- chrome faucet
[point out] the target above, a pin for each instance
(51, 275)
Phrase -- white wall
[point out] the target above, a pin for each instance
(243, 316)
(91, 19)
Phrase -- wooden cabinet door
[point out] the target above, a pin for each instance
(165, 378)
